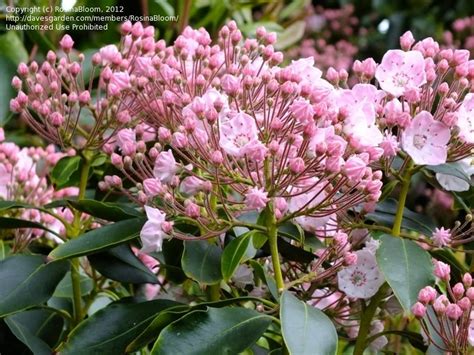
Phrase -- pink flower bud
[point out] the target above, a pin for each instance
(56, 119)
(84, 97)
(153, 187)
(419, 310)
(126, 27)
(467, 280)
(256, 199)
(350, 259)
(332, 76)
(116, 160)
(191, 209)
(297, 165)
(458, 290)
(453, 311)
(427, 295)
(217, 158)
(407, 40)
(354, 168)
(66, 43)
(440, 304)
(464, 303)
(442, 270)
(23, 69)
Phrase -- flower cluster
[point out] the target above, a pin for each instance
(235, 132)
(24, 179)
(446, 318)
(56, 98)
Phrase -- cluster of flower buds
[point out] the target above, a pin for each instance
(462, 34)
(329, 37)
(235, 132)
(24, 178)
(446, 318)
(57, 99)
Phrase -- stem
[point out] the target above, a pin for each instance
(76, 231)
(397, 224)
(366, 320)
(184, 17)
(214, 292)
(273, 242)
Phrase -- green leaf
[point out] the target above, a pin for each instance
(7, 70)
(201, 261)
(156, 326)
(4, 249)
(215, 330)
(64, 288)
(35, 344)
(290, 35)
(99, 239)
(121, 264)
(111, 329)
(26, 281)
(406, 267)
(305, 329)
(66, 172)
(105, 210)
(12, 47)
(38, 329)
(453, 169)
(15, 223)
(7, 205)
(233, 254)
(385, 212)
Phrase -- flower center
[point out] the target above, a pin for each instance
(358, 278)
(419, 141)
(241, 140)
(400, 79)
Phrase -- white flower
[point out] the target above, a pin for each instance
(152, 234)
(363, 279)
(165, 166)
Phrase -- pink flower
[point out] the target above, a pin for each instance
(354, 168)
(256, 199)
(2, 135)
(126, 141)
(442, 270)
(389, 145)
(465, 120)
(400, 70)
(427, 295)
(5, 179)
(441, 237)
(237, 134)
(66, 43)
(165, 166)
(419, 310)
(109, 54)
(152, 187)
(152, 233)
(363, 279)
(302, 110)
(191, 185)
(426, 139)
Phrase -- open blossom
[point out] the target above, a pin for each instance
(256, 199)
(152, 233)
(238, 134)
(363, 279)
(465, 119)
(400, 71)
(425, 140)
(165, 166)
(441, 237)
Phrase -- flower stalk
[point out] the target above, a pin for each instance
(406, 179)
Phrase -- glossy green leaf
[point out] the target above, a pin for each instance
(35, 344)
(305, 329)
(7, 70)
(290, 35)
(385, 212)
(111, 329)
(66, 172)
(105, 210)
(215, 330)
(99, 239)
(234, 253)
(6, 205)
(406, 267)
(121, 264)
(454, 169)
(26, 281)
(64, 288)
(15, 223)
(38, 329)
(201, 261)
(12, 47)
(156, 326)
